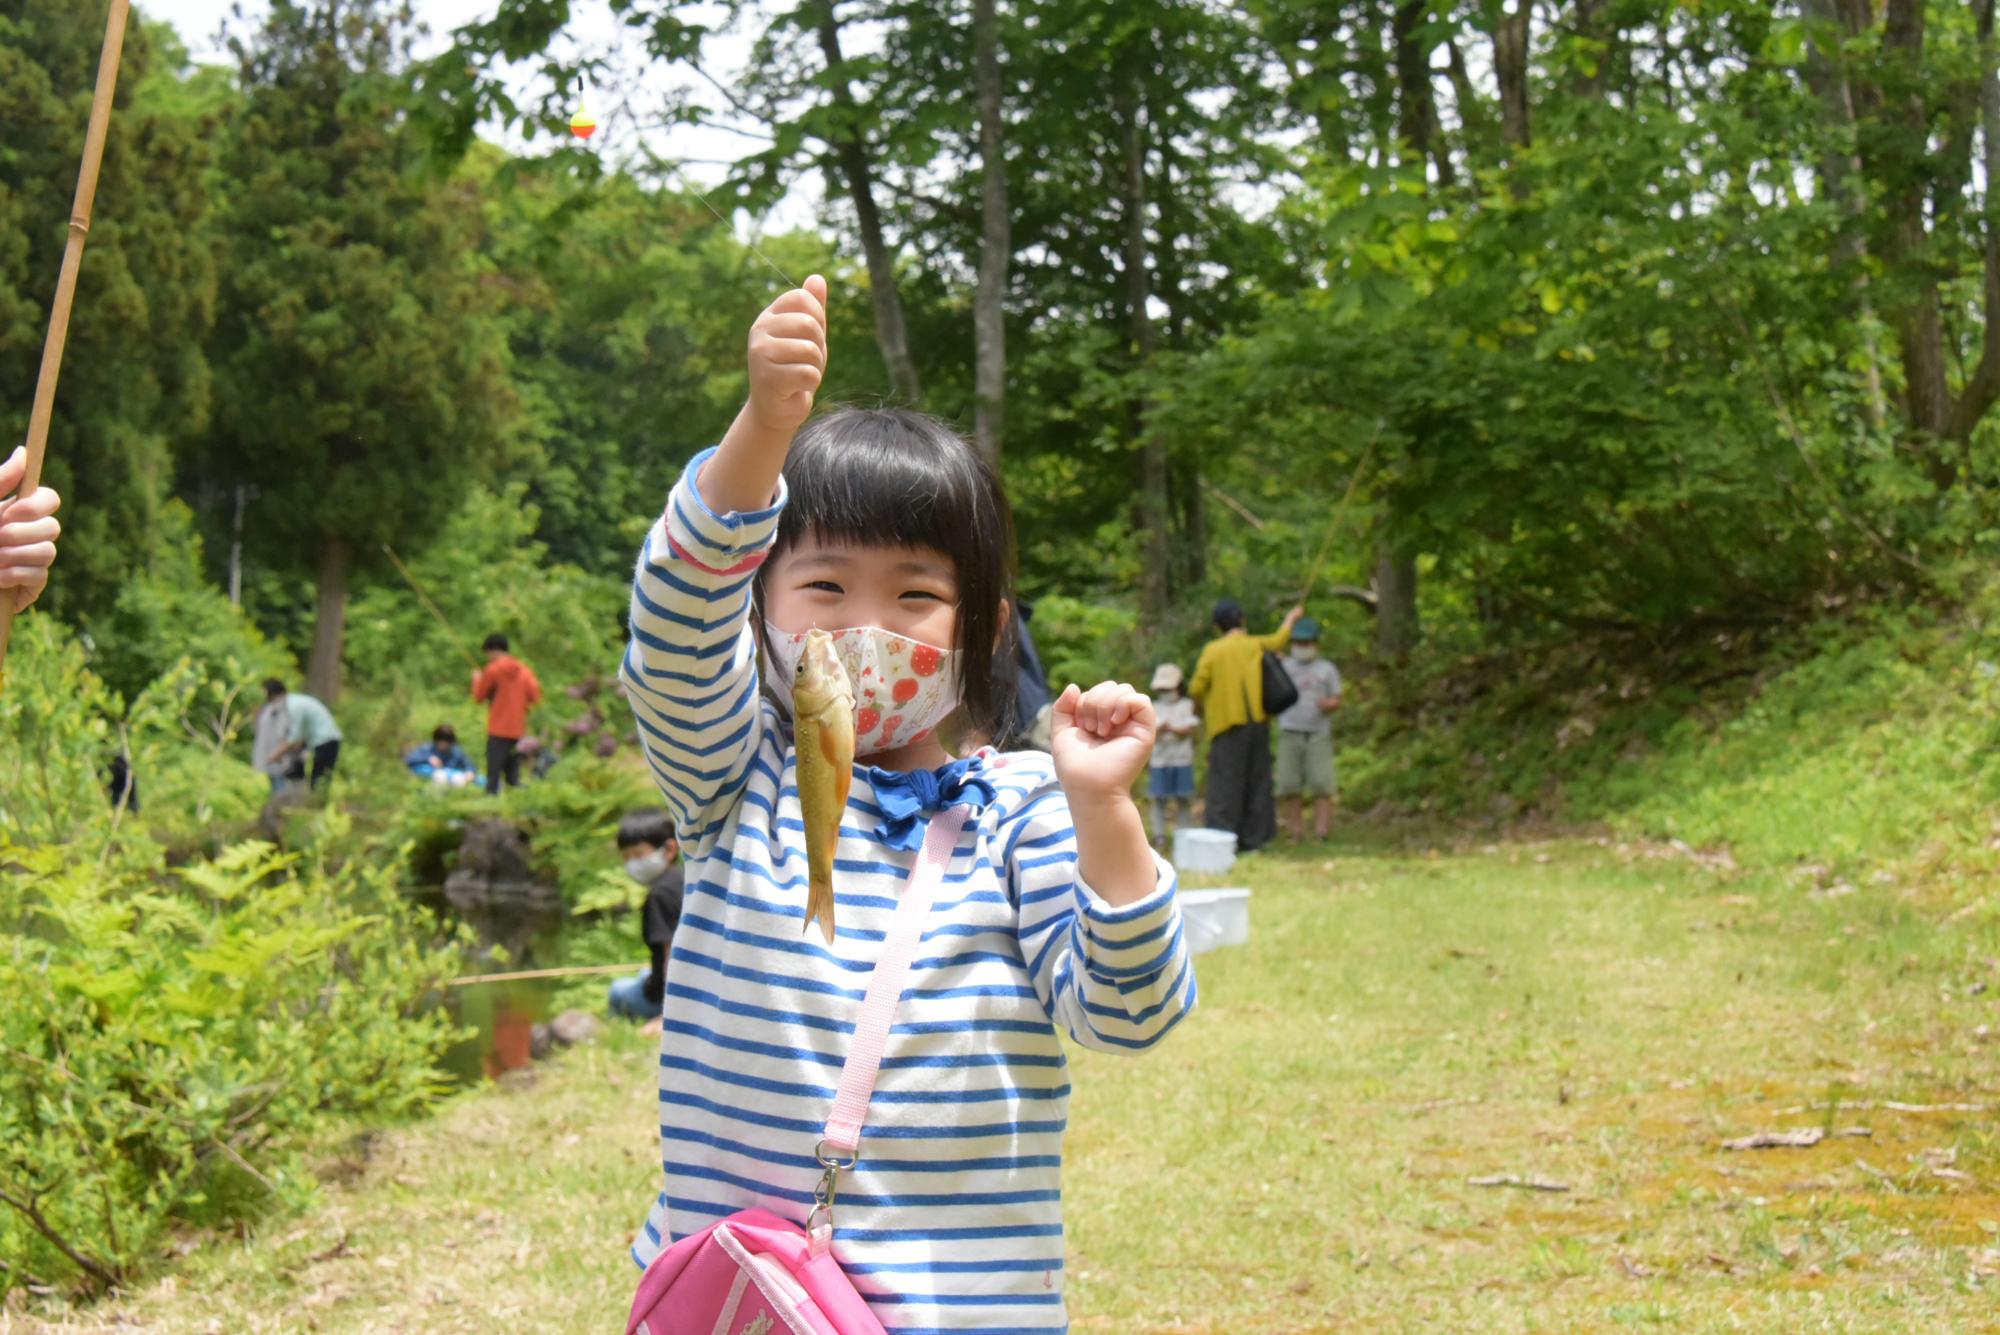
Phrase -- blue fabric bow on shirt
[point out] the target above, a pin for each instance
(908, 799)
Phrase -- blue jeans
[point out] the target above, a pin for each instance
(628, 998)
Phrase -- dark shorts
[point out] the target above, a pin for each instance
(1170, 781)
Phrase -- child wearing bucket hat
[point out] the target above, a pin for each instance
(1170, 781)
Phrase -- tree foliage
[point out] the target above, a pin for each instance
(135, 383)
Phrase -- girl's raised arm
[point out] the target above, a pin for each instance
(787, 363)
(1099, 925)
(691, 668)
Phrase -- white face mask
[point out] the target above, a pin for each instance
(903, 688)
(647, 869)
(1305, 653)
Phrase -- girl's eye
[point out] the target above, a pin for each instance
(825, 586)
(922, 593)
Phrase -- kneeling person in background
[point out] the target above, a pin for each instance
(442, 760)
(310, 731)
(651, 854)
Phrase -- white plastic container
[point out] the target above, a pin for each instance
(1197, 850)
(1215, 918)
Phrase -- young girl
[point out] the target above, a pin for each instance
(1053, 911)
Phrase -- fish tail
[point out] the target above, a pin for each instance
(819, 905)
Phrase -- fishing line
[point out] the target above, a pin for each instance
(754, 250)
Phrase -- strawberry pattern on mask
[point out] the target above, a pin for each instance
(903, 688)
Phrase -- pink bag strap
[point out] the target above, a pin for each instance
(885, 986)
(840, 1147)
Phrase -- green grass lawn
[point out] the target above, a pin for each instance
(1296, 1157)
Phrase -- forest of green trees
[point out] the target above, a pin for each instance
(1623, 355)
(1623, 318)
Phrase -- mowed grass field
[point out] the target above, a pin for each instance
(1298, 1156)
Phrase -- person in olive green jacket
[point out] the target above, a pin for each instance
(1229, 686)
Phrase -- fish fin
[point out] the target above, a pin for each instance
(819, 908)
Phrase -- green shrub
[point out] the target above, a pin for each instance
(173, 1040)
(1084, 642)
(172, 614)
(60, 726)
(56, 736)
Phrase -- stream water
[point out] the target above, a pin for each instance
(513, 935)
(502, 1017)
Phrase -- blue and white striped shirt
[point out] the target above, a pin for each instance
(953, 1219)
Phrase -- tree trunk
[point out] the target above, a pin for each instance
(330, 624)
(1396, 627)
(1984, 384)
(1826, 72)
(236, 552)
(1153, 501)
(1919, 323)
(1417, 99)
(1193, 567)
(1597, 37)
(851, 152)
(989, 309)
(1510, 70)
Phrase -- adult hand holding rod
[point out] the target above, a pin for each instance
(27, 509)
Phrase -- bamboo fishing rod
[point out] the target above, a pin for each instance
(79, 228)
(527, 975)
(1339, 514)
(425, 599)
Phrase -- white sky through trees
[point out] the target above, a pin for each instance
(701, 149)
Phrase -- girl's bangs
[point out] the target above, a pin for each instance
(893, 483)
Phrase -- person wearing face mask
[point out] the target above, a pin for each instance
(1305, 734)
(651, 854)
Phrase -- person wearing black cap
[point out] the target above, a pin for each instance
(1229, 685)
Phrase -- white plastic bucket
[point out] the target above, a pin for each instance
(1204, 850)
(1215, 918)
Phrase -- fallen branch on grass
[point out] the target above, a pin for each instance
(1514, 1180)
(1802, 1138)
(1889, 1105)
(333, 1253)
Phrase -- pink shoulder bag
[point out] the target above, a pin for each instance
(755, 1272)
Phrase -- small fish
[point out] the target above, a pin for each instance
(823, 733)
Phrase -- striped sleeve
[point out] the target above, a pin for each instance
(690, 669)
(1117, 978)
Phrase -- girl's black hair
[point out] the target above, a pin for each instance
(892, 476)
